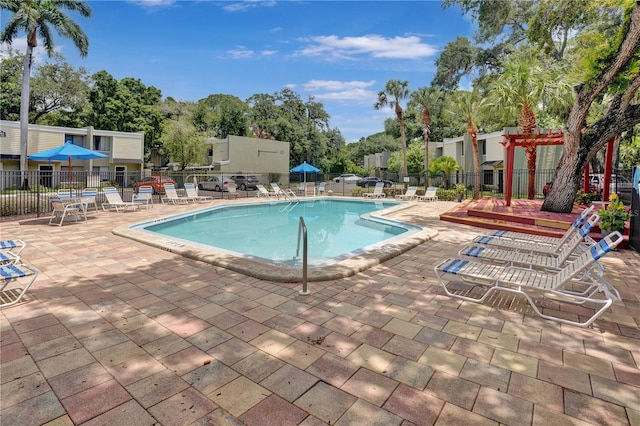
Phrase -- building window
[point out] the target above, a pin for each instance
(487, 177)
(482, 147)
(102, 143)
(74, 139)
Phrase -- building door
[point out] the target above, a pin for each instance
(45, 176)
(121, 171)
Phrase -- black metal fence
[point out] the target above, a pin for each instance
(15, 202)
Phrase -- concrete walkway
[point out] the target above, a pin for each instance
(114, 332)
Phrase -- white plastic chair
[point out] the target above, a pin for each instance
(62, 210)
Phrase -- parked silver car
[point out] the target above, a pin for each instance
(215, 183)
(347, 178)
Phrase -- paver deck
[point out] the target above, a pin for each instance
(117, 332)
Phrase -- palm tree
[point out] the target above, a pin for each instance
(523, 85)
(423, 98)
(396, 90)
(471, 106)
(36, 17)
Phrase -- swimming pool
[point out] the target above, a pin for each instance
(261, 238)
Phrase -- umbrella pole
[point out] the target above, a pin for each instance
(70, 174)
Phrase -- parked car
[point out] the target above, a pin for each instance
(619, 185)
(215, 183)
(156, 182)
(245, 182)
(366, 182)
(347, 177)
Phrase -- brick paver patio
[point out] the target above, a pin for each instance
(115, 332)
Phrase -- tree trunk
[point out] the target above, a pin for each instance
(403, 139)
(24, 113)
(473, 133)
(426, 131)
(531, 154)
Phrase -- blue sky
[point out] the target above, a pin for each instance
(341, 53)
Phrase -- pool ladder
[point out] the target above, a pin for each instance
(292, 197)
(302, 234)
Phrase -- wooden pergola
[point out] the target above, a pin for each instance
(529, 143)
(548, 137)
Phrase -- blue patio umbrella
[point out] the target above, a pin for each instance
(67, 152)
(305, 168)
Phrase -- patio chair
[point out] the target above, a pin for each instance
(551, 260)
(321, 188)
(192, 192)
(263, 192)
(377, 191)
(527, 282)
(144, 197)
(171, 195)
(114, 201)
(232, 190)
(10, 245)
(429, 195)
(62, 210)
(409, 195)
(10, 274)
(512, 235)
(88, 198)
(277, 190)
(8, 258)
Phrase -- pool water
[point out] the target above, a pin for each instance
(336, 229)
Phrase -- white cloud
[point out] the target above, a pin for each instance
(246, 5)
(372, 46)
(153, 3)
(342, 91)
(336, 85)
(268, 52)
(241, 53)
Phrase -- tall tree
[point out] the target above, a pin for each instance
(424, 98)
(37, 18)
(57, 86)
(182, 143)
(525, 84)
(125, 106)
(10, 72)
(222, 115)
(471, 106)
(394, 92)
(614, 68)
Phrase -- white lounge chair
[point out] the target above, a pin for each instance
(558, 285)
(277, 190)
(114, 200)
(429, 194)
(409, 195)
(377, 191)
(192, 192)
(321, 188)
(88, 197)
(14, 246)
(580, 220)
(171, 195)
(534, 260)
(263, 192)
(12, 274)
(62, 210)
(8, 258)
(144, 197)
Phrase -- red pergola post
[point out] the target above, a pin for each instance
(585, 180)
(608, 159)
(508, 189)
